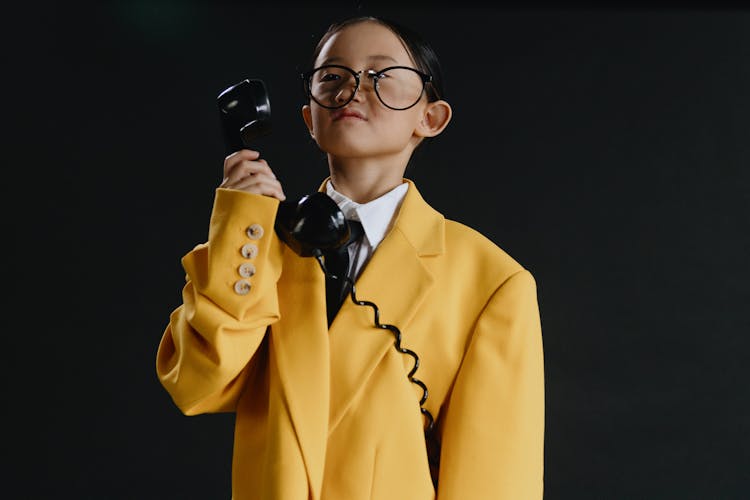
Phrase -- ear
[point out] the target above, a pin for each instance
(307, 116)
(435, 118)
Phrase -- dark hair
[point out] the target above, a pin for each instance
(419, 50)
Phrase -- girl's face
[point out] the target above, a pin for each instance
(377, 131)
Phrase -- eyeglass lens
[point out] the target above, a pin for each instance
(397, 87)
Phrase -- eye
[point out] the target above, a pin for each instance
(329, 77)
(376, 75)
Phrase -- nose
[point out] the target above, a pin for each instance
(344, 95)
(347, 91)
(351, 90)
(366, 80)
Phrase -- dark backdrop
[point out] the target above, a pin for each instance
(605, 149)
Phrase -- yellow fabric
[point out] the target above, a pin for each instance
(331, 415)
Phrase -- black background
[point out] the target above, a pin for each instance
(605, 149)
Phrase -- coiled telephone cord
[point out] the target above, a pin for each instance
(397, 343)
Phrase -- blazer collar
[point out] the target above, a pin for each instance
(421, 225)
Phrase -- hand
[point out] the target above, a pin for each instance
(246, 171)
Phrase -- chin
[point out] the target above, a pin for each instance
(349, 149)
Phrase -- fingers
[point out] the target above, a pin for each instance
(236, 159)
(261, 185)
(246, 171)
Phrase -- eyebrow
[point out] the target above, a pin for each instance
(377, 57)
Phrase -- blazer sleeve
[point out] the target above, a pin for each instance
(229, 300)
(493, 425)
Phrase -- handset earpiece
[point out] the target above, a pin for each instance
(245, 112)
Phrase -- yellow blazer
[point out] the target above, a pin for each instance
(330, 414)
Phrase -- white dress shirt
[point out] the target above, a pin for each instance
(376, 217)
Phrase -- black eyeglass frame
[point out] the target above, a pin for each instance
(307, 76)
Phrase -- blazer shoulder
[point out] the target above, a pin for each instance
(461, 239)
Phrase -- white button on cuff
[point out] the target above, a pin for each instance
(246, 270)
(255, 232)
(242, 287)
(249, 251)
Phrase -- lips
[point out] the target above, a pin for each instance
(347, 113)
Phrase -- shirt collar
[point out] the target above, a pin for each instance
(376, 216)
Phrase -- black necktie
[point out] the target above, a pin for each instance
(337, 263)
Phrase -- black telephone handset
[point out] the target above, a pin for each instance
(310, 225)
(245, 113)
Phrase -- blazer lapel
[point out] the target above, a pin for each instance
(396, 280)
(300, 341)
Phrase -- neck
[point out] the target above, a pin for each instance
(363, 180)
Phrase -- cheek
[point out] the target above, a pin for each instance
(317, 123)
(397, 126)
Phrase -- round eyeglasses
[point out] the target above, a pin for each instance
(334, 86)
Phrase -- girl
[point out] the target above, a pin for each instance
(325, 407)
